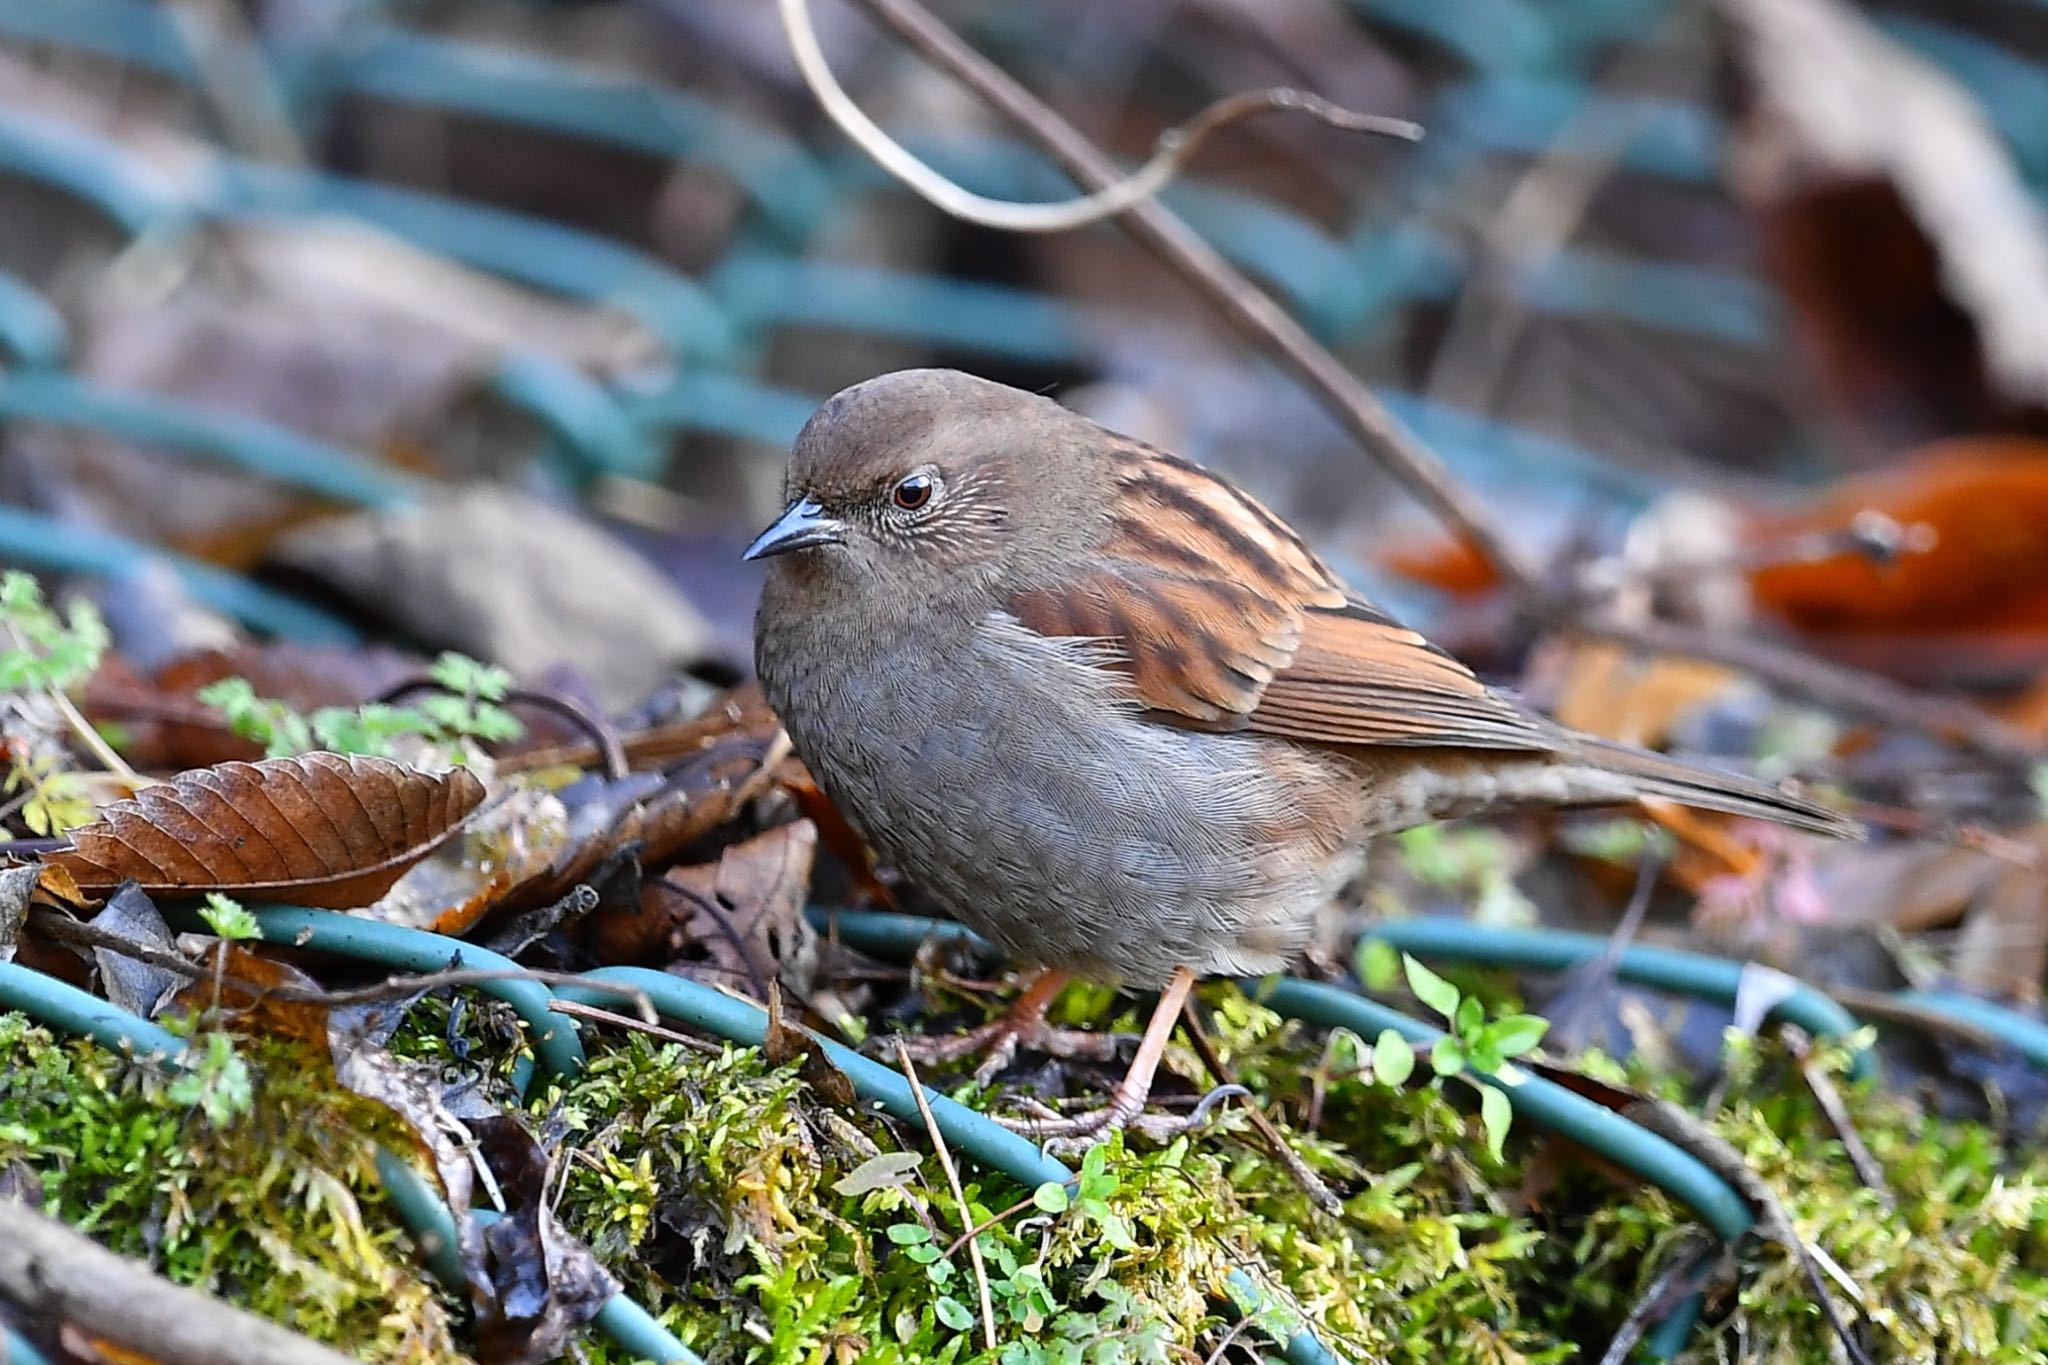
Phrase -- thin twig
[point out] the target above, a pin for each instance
(597, 727)
(723, 923)
(1253, 312)
(1657, 1300)
(80, 726)
(1829, 1098)
(995, 1221)
(1975, 838)
(1276, 1142)
(391, 988)
(1938, 1023)
(94, 741)
(601, 731)
(931, 1125)
(1237, 1329)
(1175, 146)
(604, 1016)
(1535, 219)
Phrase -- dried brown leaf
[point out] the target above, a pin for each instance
(245, 989)
(786, 1042)
(321, 829)
(736, 923)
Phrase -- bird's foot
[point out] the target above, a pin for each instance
(1023, 1026)
(1071, 1134)
(997, 1042)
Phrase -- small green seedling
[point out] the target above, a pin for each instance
(218, 1085)
(228, 919)
(46, 652)
(469, 709)
(1475, 1045)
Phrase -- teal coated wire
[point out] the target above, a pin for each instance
(987, 1143)
(32, 331)
(186, 430)
(16, 1350)
(1629, 1145)
(554, 1037)
(64, 1006)
(1693, 974)
(41, 542)
(2022, 1031)
(898, 937)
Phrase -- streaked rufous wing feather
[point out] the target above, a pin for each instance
(1279, 646)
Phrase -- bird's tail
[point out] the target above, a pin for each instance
(1688, 784)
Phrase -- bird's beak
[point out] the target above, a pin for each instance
(802, 524)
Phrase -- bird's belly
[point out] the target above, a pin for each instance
(1072, 832)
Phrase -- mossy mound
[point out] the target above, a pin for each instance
(762, 1224)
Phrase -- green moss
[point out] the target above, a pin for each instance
(279, 1210)
(762, 1224)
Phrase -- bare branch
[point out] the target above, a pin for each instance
(1251, 311)
(58, 1275)
(1175, 146)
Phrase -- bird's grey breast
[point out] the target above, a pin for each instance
(1006, 773)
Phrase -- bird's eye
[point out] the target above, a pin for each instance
(913, 492)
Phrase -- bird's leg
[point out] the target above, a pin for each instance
(1022, 1025)
(1127, 1101)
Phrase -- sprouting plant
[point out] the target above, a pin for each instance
(277, 727)
(50, 797)
(1092, 1193)
(47, 654)
(228, 919)
(218, 1084)
(471, 703)
(469, 709)
(1474, 1044)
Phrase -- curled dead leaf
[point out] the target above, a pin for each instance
(322, 829)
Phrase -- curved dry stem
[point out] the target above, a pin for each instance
(1174, 148)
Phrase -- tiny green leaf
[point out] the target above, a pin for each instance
(1518, 1033)
(1431, 989)
(228, 919)
(909, 1234)
(1471, 1017)
(1051, 1197)
(1447, 1058)
(953, 1313)
(1393, 1060)
(1483, 1055)
(1496, 1114)
(1379, 966)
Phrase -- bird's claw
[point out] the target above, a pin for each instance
(998, 1041)
(1072, 1134)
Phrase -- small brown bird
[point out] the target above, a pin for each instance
(1110, 711)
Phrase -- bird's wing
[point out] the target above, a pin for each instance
(1224, 620)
